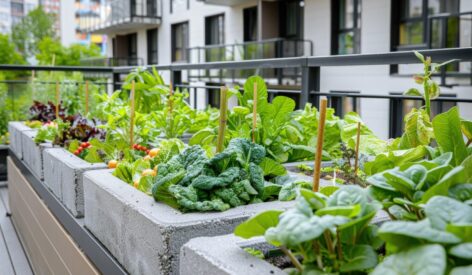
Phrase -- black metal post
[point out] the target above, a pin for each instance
(116, 81)
(310, 83)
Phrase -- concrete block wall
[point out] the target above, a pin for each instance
(63, 174)
(33, 153)
(15, 128)
(146, 236)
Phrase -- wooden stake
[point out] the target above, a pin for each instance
(222, 126)
(86, 97)
(58, 98)
(319, 145)
(254, 113)
(170, 101)
(131, 123)
(356, 162)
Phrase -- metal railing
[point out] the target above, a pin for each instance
(112, 61)
(118, 12)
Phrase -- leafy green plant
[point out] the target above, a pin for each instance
(404, 190)
(440, 242)
(322, 234)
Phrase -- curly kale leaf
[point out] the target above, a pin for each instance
(246, 151)
(256, 176)
(238, 193)
(188, 200)
(209, 182)
(161, 187)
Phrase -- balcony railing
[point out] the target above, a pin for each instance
(112, 61)
(122, 15)
(265, 49)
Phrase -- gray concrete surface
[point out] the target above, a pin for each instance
(15, 128)
(33, 153)
(63, 174)
(146, 236)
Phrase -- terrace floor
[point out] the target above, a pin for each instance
(13, 259)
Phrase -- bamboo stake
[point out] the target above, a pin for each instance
(319, 145)
(222, 126)
(171, 93)
(356, 162)
(131, 126)
(57, 99)
(86, 97)
(254, 113)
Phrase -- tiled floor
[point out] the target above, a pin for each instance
(12, 256)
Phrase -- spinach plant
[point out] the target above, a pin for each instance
(322, 234)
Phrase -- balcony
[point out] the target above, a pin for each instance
(225, 2)
(112, 61)
(121, 16)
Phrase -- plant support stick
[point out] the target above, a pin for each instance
(131, 122)
(222, 126)
(86, 97)
(356, 161)
(319, 145)
(57, 99)
(254, 113)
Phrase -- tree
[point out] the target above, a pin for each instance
(50, 49)
(32, 28)
(8, 55)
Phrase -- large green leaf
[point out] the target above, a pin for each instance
(466, 127)
(463, 250)
(447, 130)
(299, 225)
(441, 188)
(461, 192)
(420, 260)
(358, 257)
(384, 162)
(272, 168)
(418, 129)
(257, 225)
(463, 231)
(442, 210)
(461, 270)
(406, 234)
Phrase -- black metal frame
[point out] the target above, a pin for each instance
(94, 250)
(173, 38)
(336, 29)
(150, 50)
(3, 162)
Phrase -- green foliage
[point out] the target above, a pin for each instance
(51, 50)
(8, 54)
(32, 28)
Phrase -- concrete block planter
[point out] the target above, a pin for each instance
(63, 174)
(15, 128)
(33, 153)
(207, 255)
(146, 236)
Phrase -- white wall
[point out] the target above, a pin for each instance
(67, 22)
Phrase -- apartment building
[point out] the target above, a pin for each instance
(12, 11)
(169, 31)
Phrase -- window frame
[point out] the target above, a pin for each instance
(150, 51)
(185, 41)
(336, 30)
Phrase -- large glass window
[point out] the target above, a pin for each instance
(346, 26)
(412, 19)
(133, 48)
(215, 30)
(180, 42)
(152, 46)
(250, 24)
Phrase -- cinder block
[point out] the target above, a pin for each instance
(146, 236)
(224, 255)
(15, 128)
(33, 153)
(63, 174)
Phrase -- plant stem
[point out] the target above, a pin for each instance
(329, 244)
(316, 247)
(292, 258)
(338, 245)
(426, 90)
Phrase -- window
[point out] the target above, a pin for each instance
(411, 23)
(344, 104)
(291, 19)
(215, 30)
(250, 24)
(180, 42)
(133, 48)
(151, 8)
(400, 107)
(346, 22)
(213, 94)
(152, 46)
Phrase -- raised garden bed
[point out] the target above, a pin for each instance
(146, 236)
(15, 128)
(33, 152)
(63, 174)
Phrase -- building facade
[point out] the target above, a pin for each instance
(169, 31)
(12, 11)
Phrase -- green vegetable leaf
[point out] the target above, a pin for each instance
(258, 225)
(359, 257)
(463, 251)
(442, 210)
